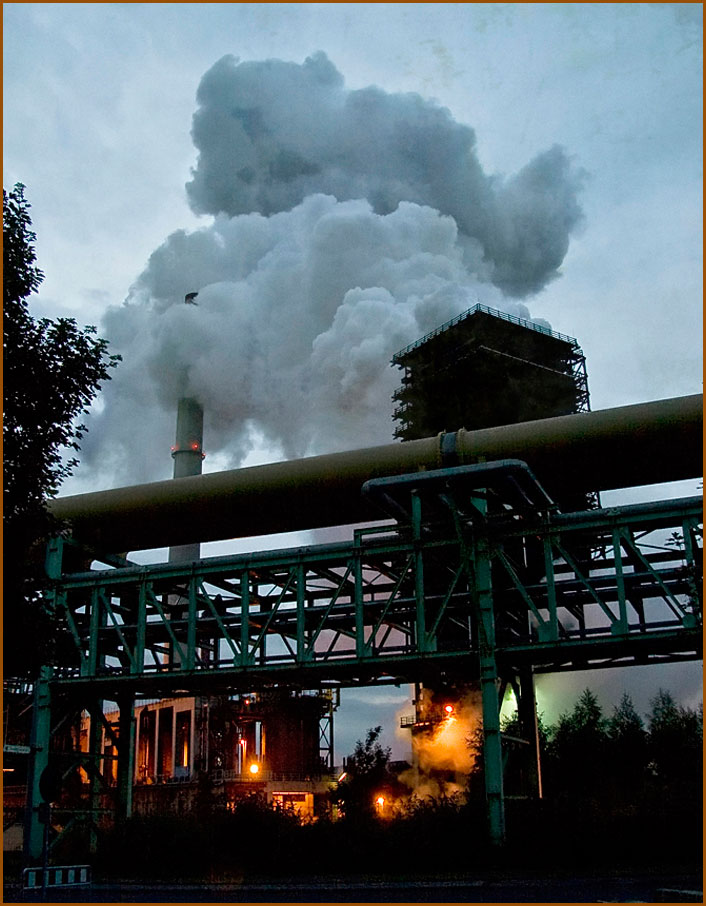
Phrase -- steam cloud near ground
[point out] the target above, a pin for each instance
(346, 224)
(444, 756)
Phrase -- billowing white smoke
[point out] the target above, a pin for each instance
(347, 224)
(271, 133)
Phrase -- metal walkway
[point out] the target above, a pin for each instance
(569, 591)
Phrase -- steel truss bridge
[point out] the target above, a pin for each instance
(479, 578)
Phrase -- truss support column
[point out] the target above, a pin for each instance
(527, 717)
(95, 738)
(421, 636)
(245, 618)
(492, 747)
(359, 620)
(303, 654)
(39, 759)
(331, 751)
(126, 756)
(326, 737)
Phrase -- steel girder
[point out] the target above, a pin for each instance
(601, 588)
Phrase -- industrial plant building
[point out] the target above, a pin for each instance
(190, 751)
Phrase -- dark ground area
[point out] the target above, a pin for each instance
(676, 888)
(440, 854)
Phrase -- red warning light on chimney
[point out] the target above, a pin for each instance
(193, 448)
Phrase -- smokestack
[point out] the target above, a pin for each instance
(187, 451)
(188, 456)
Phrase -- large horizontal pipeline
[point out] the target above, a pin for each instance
(610, 448)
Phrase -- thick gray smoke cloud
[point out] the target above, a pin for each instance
(346, 225)
(271, 133)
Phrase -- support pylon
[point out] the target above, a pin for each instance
(38, 762)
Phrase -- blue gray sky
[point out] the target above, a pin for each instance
(357, 173)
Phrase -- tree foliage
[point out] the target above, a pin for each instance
(52, 371)
(366, 774)
(622, 761)
(675, 741)
(369, 758)
(627, 748)
(577, 748)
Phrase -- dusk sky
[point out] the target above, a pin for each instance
(355, 175)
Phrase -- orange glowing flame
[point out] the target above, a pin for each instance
(254, 768)
(445, 746)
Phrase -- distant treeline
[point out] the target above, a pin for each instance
(619, 758)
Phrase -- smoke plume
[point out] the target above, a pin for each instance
(443, 755)
(346, 224)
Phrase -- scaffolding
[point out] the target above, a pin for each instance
(486, 368)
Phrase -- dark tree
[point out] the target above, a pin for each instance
(366, 775)
(52, 371)
(627, 749)
(577, 749)
(675, 740)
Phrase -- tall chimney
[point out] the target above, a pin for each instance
(188, 456)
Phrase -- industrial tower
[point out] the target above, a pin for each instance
(482, 369)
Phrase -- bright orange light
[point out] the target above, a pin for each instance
(449, 709)
(254, 768)
(380, 801)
